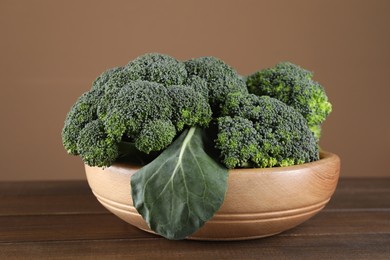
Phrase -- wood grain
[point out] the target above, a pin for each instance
(85, 227)
(372, 246)
(49, 197)
(35, 224)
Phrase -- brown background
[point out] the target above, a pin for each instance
(51, 51)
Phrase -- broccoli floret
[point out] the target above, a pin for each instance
(134, 105)
(95, 147)
(190, 108)
(294, 86)
(81, 113)
(100, 82)
(236, 141)
(131, 111)
(158, 68)
(282, 135)
(221, 78)
(120, 78)
(155, 136)
(277, 82)
(138, 110)
(117, 80)
(244, 105)
(199, 85)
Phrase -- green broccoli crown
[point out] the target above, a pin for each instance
(158, 68)
(221, 78)
(199, 85)
(152, 67)
(155, 135)
(190, 108)
(154, 97)
(263, 132)
(101, 81)
(116, 79)
(146, 102)
(81, 113)
(294, 86)
(277, 81)
(95, 147)
(236, 141)
(133, 105)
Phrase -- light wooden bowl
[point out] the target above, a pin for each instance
(258, 202)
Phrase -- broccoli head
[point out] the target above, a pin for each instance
(149, 114)
(101, 81)
(152, 67)
(120, 78)
(155, 135)
(263, 132)
(145, 104)
(158, 68)
(133, 105)
(199, 85)
(236, 141)
(81, 113)
(221, 78)
(294, 86)
(140, 111)
(95, 147)
(189, 107)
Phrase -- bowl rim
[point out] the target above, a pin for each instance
(325, 158)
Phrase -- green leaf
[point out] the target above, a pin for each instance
(181, 189)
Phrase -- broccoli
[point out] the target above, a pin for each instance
(294, 86)
(199, 85)
(146, 103)
(81, 113)
(152, 67)
(135, 104)
(96, 148)
(155, 135)
(158, 68)
(150, 101)
(189, 107)
(100, 82)
(221, 78)
(141, 102)
(263, 132)
(236, 141)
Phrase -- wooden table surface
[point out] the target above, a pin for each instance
(64, 220)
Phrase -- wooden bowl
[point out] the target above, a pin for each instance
(258, 202)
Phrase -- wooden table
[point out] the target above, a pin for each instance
(64, 220)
